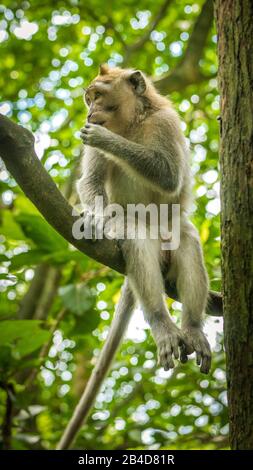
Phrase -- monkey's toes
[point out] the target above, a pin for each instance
(167, 349)
(204, 359)
(165, 357)
(195, 340)
(183, 353)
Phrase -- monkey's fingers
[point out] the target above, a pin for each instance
(203, 356)
(187, 346)
(84, 131)
(183, 354)
(175, 347)
(165, 357)
(206, 364)
(198, 357)
(84, 137)
(206, 359)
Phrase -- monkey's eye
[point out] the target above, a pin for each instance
(97, 95)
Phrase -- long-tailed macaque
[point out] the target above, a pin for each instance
(135, 152)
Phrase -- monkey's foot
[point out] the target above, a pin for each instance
(195, 340)
(169, 340)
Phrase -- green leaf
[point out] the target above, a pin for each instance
(9, 228)
(7, 308)
(41, 233)
(85, 324)
(78, 298)
(4, 258)
(64, 256)
(34, 257)
(23, 336)
(29, 258)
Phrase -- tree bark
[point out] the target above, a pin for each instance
(235, 44)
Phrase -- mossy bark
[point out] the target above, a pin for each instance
(234, 19)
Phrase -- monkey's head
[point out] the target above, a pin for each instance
(116, 97)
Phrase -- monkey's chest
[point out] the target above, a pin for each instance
(123, 187)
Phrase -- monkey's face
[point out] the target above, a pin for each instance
(112, 98)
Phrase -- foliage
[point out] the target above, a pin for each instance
(49, 52)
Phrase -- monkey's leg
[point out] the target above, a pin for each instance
(192, 285)
(120, 321)
(145, 278)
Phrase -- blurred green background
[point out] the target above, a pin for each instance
(57, 304)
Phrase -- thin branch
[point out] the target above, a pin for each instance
(31, 298)
(45, 348)
(153, 24)
(188, 71)
(199, 34)
(136, 46)
(109, 24)
(48, 293)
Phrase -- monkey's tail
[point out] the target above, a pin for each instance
(121, 318)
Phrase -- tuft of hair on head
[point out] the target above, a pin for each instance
(104, 69)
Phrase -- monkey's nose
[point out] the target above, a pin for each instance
(89, 117)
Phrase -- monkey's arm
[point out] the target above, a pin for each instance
(158, 163)
(91, 182)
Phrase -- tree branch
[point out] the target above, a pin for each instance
(35, 298)
(31, 298)
(48, 292)
(188, 71)
(18, 154)
(109, 24)
(153, 24)
(45, 349)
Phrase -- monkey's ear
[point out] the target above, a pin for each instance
(103, 69)
(137, 80)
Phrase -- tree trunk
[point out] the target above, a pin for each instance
(235, 45)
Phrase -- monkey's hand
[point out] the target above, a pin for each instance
(195, 340)
(169, 340)
(95, 135)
